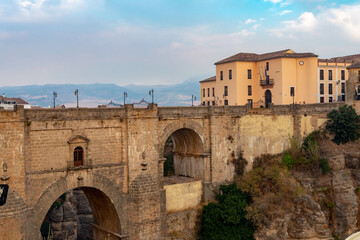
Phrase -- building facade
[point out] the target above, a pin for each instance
(282, 77)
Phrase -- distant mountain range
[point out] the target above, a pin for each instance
(92, 95)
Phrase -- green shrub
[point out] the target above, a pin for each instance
(288, 161)
(344, 123)
(226, 220)
(324, 165)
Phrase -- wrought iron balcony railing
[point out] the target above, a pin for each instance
(267, 82)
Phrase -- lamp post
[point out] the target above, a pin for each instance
(54, 96)
(151, 93)
(77, 97)
(192, 100)
(125, 96)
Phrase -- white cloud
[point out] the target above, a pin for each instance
(285, 12)
(286, 3)
(250, 21)
(273, 1)
(37, 10)
(343, 20)
(256, 26)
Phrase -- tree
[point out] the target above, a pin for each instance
(226, 220)
(344, 123)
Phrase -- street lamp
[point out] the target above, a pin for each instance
(54, 96)
(151, 93)
(77, 97)
(192, 100)
(125, 96)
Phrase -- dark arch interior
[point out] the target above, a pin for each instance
(183, 152)
(82, 213)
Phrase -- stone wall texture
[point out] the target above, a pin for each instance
(123, 156)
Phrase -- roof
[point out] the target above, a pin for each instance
(210, 79)
(253, 57)
(354, 65)
(348, 59)
(12, 100)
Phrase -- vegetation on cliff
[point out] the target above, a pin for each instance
(226, 219)
(344, 123)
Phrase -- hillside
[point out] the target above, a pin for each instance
(92, 95)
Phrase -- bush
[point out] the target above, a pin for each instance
(324, 165)
(226, 219)
(288, 161)
(344, 123)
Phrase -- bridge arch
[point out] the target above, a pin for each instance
(188, 148)
(103, 197)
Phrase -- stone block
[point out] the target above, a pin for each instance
(57, 214)
(337, 162)
(69, 212)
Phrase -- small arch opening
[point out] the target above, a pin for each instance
(78, 156)
(183, 151)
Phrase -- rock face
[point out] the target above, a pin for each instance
(71, 218)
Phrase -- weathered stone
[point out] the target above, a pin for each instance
(346, 205)
(57, 214)
(337, 162)
(69, 212)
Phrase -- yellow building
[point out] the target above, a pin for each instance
(282, 77)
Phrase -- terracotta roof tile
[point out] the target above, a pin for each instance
(348, 59)
(253, 57)
(16, 100)
(210, 79)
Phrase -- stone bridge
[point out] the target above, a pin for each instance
(115, 155)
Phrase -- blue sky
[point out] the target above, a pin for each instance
(161, 41)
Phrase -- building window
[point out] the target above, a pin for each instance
(221, 75)
(321, 74)
(249, 90)
(230, 74)
(330, 99)
(225, 91)
(78, 156)
(343, 87)
(203, 103)
(208, 103)
(267, 66)
(249, 73)
(321, 88)
(208, 92)
(213, 92)
(226, 102)
(321, 99)
(292, 91)
(330, 88)
(203, 92)
(342, 74)
(330, 75)
(213, 103)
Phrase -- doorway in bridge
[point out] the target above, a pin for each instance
(81, 213)
(184, 162)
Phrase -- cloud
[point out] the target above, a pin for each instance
(38, 10)
(250, 21)
(285, 12)
(344, 19)
(256, 26)
(286, 3)
(273, 1)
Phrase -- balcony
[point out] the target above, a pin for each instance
(267, 82)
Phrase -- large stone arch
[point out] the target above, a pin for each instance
(105, 200)
(169, 129)
(190, 158)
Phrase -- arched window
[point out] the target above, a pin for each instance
(78, 156)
